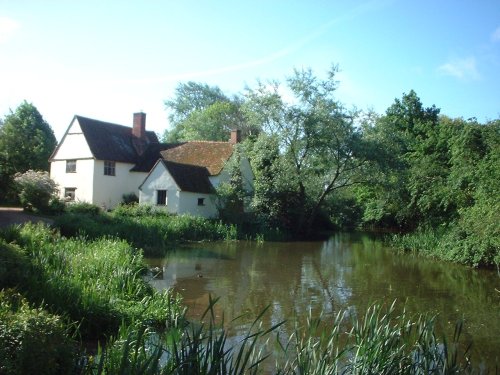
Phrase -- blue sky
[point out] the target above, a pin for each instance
(108, 59)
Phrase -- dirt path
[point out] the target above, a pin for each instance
(13, 215)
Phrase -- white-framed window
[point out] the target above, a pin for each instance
(201, 201)
(69, 194)
(161, 197)
(70, 166)
(109, 168)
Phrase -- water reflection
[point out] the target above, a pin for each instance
(348, 271)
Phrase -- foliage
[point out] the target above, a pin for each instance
(83, 208)
(36, 189)
(12, 260)
(231, 194)
(130, 198)
(145, 226)
(26, 142)
(320, 149)
(32, 341)
(202, 112)
(380, 342)
(98, 284)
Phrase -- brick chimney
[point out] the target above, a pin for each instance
(235, 136)
(139, 129)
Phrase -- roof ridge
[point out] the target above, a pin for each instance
(224, 142)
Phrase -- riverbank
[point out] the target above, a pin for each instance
(84, 288)
(452, 244)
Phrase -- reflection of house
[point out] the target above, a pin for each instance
(99, 162)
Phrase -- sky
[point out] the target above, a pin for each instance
(108, 59)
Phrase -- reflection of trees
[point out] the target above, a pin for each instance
(345, 272)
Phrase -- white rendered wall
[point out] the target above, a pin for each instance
(188, 204)
(246, 173)
(73, 145)
(82, 180)
(160, 179)
(109, 190)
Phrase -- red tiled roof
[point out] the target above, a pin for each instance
(211, 155)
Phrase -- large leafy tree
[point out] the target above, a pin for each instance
(202, 112)
(26, 142)
(415, 157)
(321, 149)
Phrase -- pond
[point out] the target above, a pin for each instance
(347, 271)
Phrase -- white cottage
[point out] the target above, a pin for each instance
(98, 162)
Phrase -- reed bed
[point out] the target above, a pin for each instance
(380, 342)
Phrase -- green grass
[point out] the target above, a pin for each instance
(97, 283)
(380, 342)
(453, 244)
(145, 226)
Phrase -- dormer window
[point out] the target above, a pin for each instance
(70, 166)
(109, 168)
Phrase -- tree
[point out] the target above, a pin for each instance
(321, 149)
(202, 112)
(26, 142)
(231, 194)
(415, 156)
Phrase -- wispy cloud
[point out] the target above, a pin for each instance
(7, 27)
(295, 46)
(495, 36)
(464, 69)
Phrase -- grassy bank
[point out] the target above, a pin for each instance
(59, 290)
(98, 284)
(143, 226)
(454, 243)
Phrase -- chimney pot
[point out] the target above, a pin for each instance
(235, 136)
(139, 128)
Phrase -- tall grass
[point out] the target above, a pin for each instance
(451, 243)
(96, 283)
(145, 226)
(380, 342)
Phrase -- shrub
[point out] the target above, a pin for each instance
(35, 189)
(130, 198)
(136, 210)
(83, 208)
(32, 341)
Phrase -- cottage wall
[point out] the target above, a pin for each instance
(73, 145)
(109, 190)
(81, 180)
(189, 204)
(160, 179)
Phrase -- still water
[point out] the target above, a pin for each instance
(347, 271)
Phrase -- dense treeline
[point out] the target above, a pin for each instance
(319, 166)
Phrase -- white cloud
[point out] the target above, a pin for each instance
(495, 36)
(464, 69)
(7, 27)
